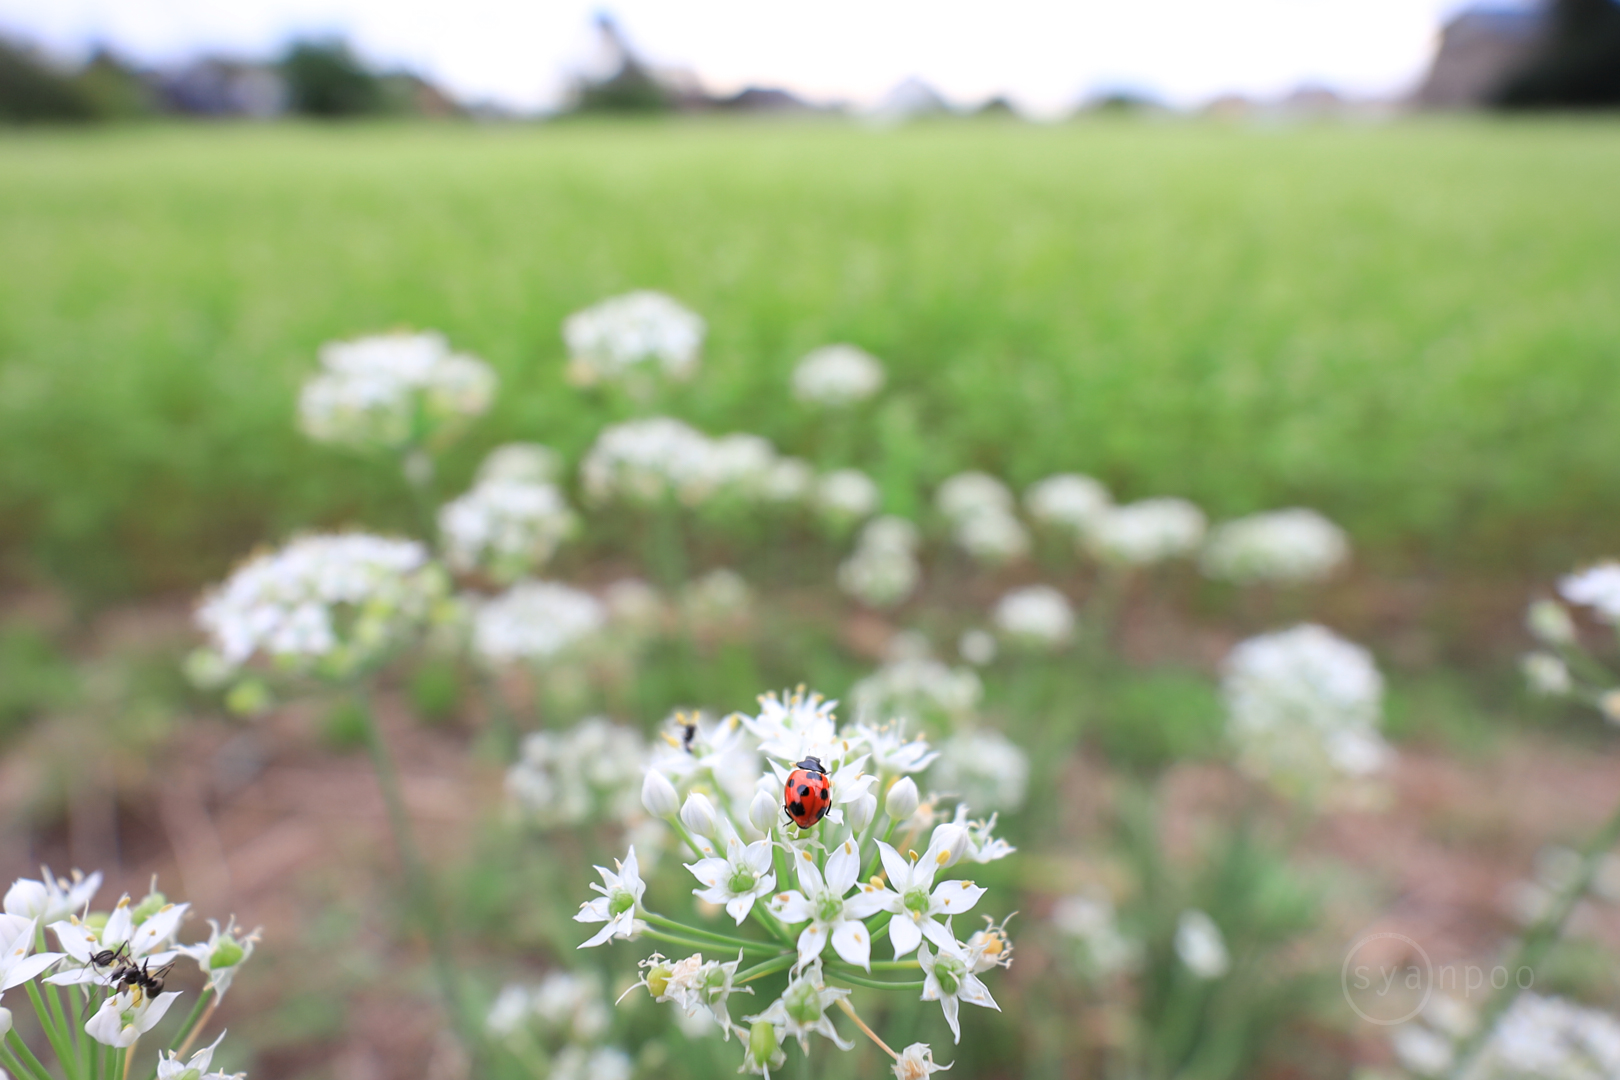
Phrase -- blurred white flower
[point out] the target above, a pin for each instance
(650, 460)
(1200, 946)
(511, 1012)
(338, 600)
(716, 602)
(535, 621)
(1089, 918)
(789, 480)
(883, 571)
(1596, 587)
(970, 494)
(837, 375)
(1287, 546)
(51, 898)
(1146, 532)
(590, 1063)
(571, 1004)
(170, 1067)
(992, 537)
(392, 390)
(17, 935)
(521, 462)
(508, 527)
(1037, 615)
(1422, 1051)
(847, 496)
(916, 1062)
(592, 771)
(1548, 1037)
(921, 690)
(984, 768)
(1550, 623)
(630, 333)
(977, 647)
(1069, 501)
(635, 606)
(1303, 709)
(1546, 674)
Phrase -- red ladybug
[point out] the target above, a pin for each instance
(807, 796)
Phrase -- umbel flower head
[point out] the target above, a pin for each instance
(1147, 532)
(1068, 501)
(658, 459)
(836, 376)
(980, 510)
(505, 527)
(1303, 708)
(1285, 546)
(392, 391)
(535, 621)
(639, 333)
(1036, 616)
(591, 771)
(328, 603)
(51, 898)
(883, 571)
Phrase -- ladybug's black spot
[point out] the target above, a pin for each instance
(796, 809)
(822, 812)
(804, 789)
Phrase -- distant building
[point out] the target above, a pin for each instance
(1480, 48)
(911, 99)
(216, 87)
(764, 99)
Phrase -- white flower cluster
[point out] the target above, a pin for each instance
(1068, 501)
(846, 496)
(837, 376)
(716, 603)
(625, 335)
(1201, 946)
(918, 689)
(117, 958)
(1596, 587)
(507, 527)
(1537, 1038)
(330, 602)
(523, 462)
(1147, 532)
(534, 621)
(1303, 709)
(980, 511)
(592, 771)
(559, 1024)
(1551, 671)
(1090, 919)
(648, 461)
(883, 570)
(1037, 616)
(984, 769)
(757, 832)
(1285, 546)
(392, 390)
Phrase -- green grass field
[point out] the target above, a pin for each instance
(1415, 328)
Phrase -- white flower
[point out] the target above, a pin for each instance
(535, 620)
(802, 1010)
(126, 1016)
(916, 1062)
(915, 908)
(572, 1005)
(991, 947)
(1596, 587)
(1036, 615)
(789, 480)
(392, 390)
(510, 1012)
(918, 689)
(883, 570)
(762, 1050)
(1146, 532)
(584, 772)
(138, 940)
(1551, 1038)
(628, 333)
(16, 941)
(983, 845)
(837, 375)
(634, 606)
(1422, 1051)
(658, 794)
(1283, 545)
(992, 536)
(737, 880)
(508, 527)
(1068, 500)
(697, 814)
(170, 1067)
(341, 599)
(1303, 708)
(1089, 917)
(521, 462)
(984, 768)
(647, 461)
(51, 898)
(891, 752)
(847, 495)
(948, 979)
(902, 800)
(1547, 674)
(977, 647)
(1200, 945)
(1550, 623)
(823, 905)
(223, 954)
(694, 985)
(618, 904)
(969, 494)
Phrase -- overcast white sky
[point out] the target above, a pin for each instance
(1045, 54)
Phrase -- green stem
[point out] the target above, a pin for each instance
(717, 939)
(839, 972)
(896, 965)
(1538, 941)
(876, 856)
(417, 883)
(754, 949)
(25, 1056)
(882, 924)
(773, 924)
(64, 1051)
(680, 830)
(764, 968)
(81, 1051)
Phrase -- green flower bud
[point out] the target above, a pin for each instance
(948, 972)
(190, 1074)
(658, 980)
(96, 920)
(152, 903)
(742, 881)
(762, 1042)
(621, 902)
(802, 1002)
(5, 1021)
(227, 953)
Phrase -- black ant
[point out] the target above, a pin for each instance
(128, 977)
(110, 957)
(689, 731)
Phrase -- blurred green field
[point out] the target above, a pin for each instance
(1415, 328)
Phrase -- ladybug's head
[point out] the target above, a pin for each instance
(811, 764)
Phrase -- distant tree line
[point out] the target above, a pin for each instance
(1575, 65)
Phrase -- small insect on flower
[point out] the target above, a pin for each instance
(807, 796)
(129, 977)
(111, 957)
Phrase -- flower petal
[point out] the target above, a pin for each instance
(809, 874)
(149, 1016)
(867, 901)
(955, 897)
(28, 968)
(853, 943)
(843, 867)
(791, 906)
(895, 865)
(75, 940)
(974, 992)
(710, 871)
(904, 935)
(811, 941)
(738, 907)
